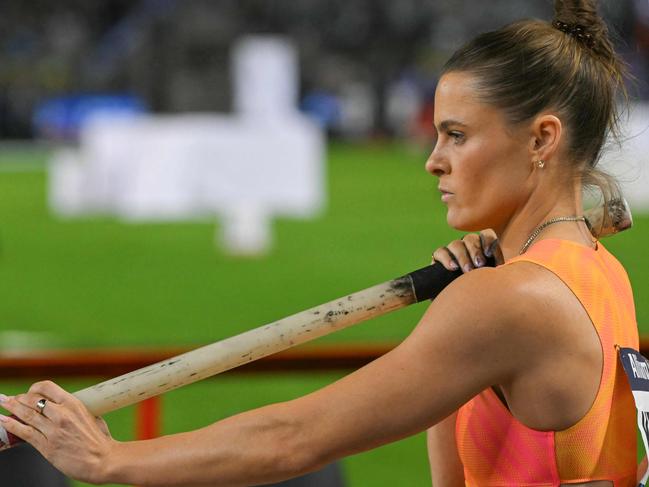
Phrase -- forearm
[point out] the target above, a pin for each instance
(260, 446)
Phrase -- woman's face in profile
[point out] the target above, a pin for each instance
(484, 164)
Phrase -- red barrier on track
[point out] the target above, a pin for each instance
(47, 364)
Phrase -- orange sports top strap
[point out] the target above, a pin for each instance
(496, 449)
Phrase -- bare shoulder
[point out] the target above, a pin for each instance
(517, 310)
(502, 296)
(529, 334)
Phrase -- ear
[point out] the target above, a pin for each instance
(546, 135)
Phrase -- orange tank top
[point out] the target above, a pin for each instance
(498, 450)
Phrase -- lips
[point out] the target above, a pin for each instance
(446, 194)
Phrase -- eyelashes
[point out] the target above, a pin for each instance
(458, 137)
(454, 135)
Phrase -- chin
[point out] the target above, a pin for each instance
(467, 223)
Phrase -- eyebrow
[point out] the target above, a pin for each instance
(447, 123)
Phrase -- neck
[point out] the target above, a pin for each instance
(541, 208)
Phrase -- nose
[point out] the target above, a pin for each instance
(436, 164)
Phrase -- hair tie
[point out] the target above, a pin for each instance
(576, 31)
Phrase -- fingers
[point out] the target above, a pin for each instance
(23, 431)
(469, 253)
(31, 400)
(491, 245)
(444, 256)
(488, 242)
(71, 438)
(28, 424)
(49, 390)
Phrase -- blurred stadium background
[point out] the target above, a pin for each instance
(367, 73)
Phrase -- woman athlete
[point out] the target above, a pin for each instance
(512, 369)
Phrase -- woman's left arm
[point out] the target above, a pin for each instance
(470, 338)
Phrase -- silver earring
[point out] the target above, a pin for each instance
(540, 164)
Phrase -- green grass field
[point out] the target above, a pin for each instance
(98, 282)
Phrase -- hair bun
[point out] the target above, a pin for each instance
(580, 20)
(577, 31)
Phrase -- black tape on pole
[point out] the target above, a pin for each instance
(431, 280)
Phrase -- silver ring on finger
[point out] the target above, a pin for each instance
(40, 405)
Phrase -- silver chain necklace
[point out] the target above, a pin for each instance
(542, 226)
